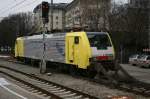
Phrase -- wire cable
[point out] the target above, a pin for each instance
(31, 3)
(23, 6)
(19, 3)
(4, 7)
(28, 4)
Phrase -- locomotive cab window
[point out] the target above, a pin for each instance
(76, 40)
(101, 41)
(148, 58)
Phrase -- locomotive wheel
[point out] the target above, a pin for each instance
(90, 73)
(61, 68)
(73, 70)
(33, 62)
(21, 59)
(27, 61)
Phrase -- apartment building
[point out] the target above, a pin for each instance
(57, 15)
(87, 14)
(72, 15)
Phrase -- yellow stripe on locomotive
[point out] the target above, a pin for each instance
(19, 47)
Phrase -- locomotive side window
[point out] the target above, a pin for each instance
(148, 58)
(76, 40)
(101, 41)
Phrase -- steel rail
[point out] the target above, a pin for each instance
(134, 86)
(78, 93)
(33, 86)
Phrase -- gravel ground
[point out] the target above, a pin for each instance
(92, 88)
(75, 83)
(137, 72)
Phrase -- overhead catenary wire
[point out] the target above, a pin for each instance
(31, 3)
(17, 4)
(24, 6)
(4, 7)
(28, 4)
(35, 28)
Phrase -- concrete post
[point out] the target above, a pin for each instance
(43, 61)
(149, 22)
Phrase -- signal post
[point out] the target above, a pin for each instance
(45, 19)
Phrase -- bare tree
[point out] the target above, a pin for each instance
(127, 27)
(13, 26)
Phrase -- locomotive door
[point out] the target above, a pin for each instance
(70, 50)
(77, 53)
(73, 50)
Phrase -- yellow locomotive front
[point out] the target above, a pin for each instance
(101, 46)
(84, 47)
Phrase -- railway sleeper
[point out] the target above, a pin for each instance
(76, 97)
(148, 91)
(68, 95)
(58, 91)
(54, 89)
(63, 93)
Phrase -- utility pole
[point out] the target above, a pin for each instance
(51, 7)
(149, 21)
(43, 61)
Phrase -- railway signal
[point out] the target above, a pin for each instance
(45, 18)
(45, 12)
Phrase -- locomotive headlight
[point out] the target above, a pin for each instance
(94, 59)
(102, 58)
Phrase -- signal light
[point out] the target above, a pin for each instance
(45, 11)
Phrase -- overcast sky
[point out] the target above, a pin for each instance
(8, 7)
(14, 6)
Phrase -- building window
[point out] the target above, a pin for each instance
(56, 17)
(56, 23)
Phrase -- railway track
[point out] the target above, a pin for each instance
(133, 85)
(48, 88)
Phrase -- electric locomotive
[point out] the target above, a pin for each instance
(77, 49)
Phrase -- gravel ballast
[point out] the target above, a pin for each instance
(86, 86)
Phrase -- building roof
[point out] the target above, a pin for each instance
(54, 6)
(73, 3)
